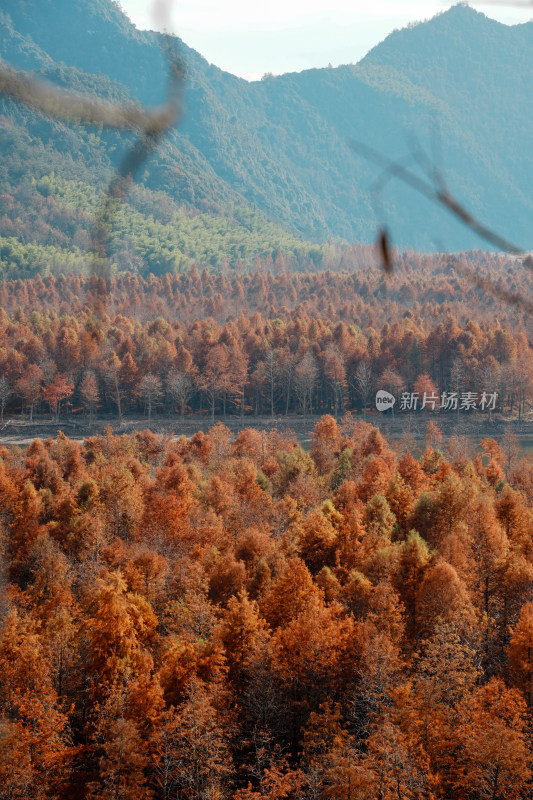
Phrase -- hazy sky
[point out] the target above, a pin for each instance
(251, 37)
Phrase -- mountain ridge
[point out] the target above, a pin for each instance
(279, 145)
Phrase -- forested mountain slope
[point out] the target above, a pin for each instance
(279, 146)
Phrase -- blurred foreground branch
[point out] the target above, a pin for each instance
(434, 188)
(438, 194)
(71, 107)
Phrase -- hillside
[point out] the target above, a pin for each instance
(277, 148)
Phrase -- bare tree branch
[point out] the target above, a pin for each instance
(492, 288)
(434, 188)
(437, 194)
(73, 107)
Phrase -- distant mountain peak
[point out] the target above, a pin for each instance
(462, 13)
(460, 27)
(463, 8)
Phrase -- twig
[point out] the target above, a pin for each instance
(72, 107)
(492, 288)
(438, 195)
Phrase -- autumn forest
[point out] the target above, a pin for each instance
(266, 461)
(241, 614)
(238, 618)
(231, 615)
(266, 343)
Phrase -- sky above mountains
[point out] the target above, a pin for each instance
(250, 38)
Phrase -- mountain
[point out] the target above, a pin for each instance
(278, 149)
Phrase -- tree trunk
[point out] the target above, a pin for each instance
(288, 397)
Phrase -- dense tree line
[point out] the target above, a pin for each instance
(239, 618)
(346, 284)
(266, 343)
